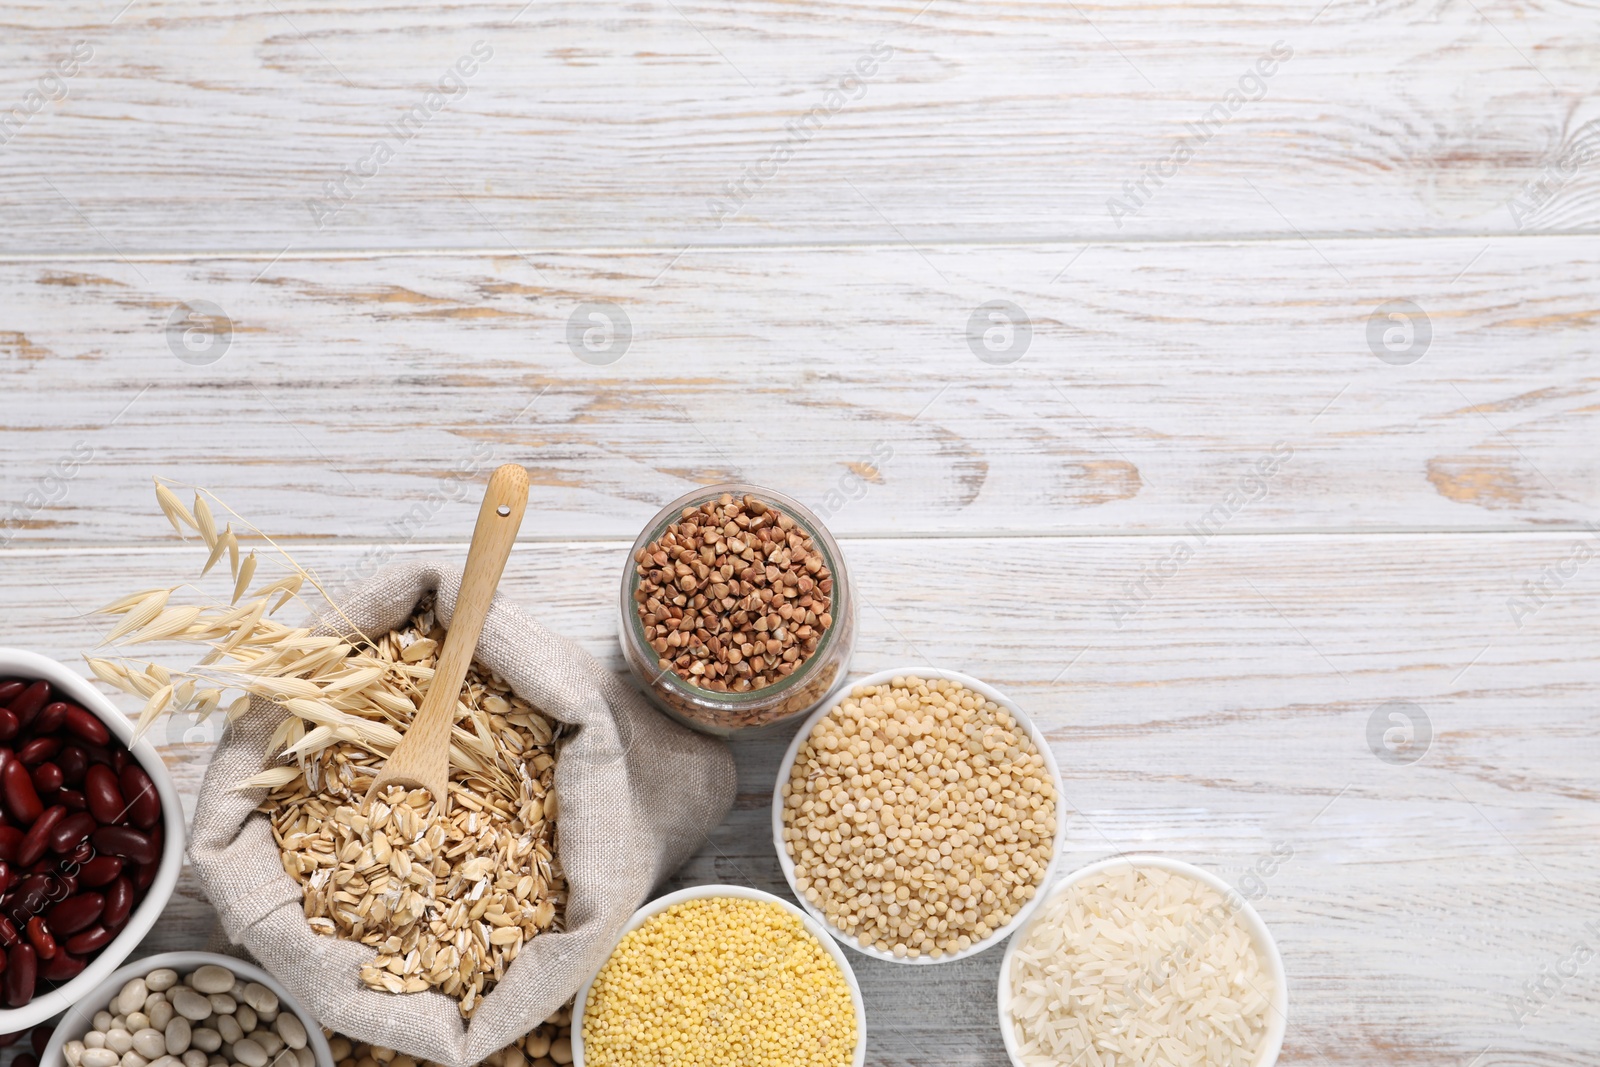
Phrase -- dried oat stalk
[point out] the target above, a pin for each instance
(333, 684)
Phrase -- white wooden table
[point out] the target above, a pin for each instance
(256, 247)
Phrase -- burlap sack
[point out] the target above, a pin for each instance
(637, 795)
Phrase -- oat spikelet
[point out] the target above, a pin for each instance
(158, 704)
(204, 522)
(145, 611)
(218, 547)
(174, 510)
(246, 572)
(169, 623)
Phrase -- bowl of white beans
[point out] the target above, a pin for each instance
(187, 1009)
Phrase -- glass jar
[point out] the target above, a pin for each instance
(727, 714)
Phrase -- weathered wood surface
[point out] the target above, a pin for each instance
(1227, 716)
(1157, 375)
(1427, 540)
(204, 126)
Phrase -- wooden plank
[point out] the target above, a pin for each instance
(200, 126)
(1156, 380)
(1229, 715)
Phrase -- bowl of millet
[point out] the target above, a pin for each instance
(918, 816)
(721, 976)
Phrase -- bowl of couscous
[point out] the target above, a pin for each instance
(720, 975)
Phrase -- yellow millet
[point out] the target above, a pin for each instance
(720, 982)
(920, 817)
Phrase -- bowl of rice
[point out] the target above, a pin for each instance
(1145, 960)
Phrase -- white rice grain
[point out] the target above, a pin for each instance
(1139, 968)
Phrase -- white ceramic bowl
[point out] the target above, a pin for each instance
(700, 892)
(1271, 961)
(19, 664)
(78, 1021)
(881, 678)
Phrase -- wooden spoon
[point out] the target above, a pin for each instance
(422, 759)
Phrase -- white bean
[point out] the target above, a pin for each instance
(260, 997)
(206, 1039)
(166, 1061)
(119, 1040)
(212, 979)
(194, 1058)
(246, 1016)
(100, 1057)
(161, 978)
(229, 1028)
(149, 1043)
(138, 1020)
(94, 1039)
(132, 997)
(271, 1042)
(161, 1015)
(291, 1029)
(72, 1052)
(133, 1059)
(304, 1057)
(177, 1036)
(191, 1005)
(249, 1053)
(223, 1004)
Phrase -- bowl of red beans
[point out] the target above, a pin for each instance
(91, 838)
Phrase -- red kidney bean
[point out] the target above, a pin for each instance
(73, 799)
(50, 718)
(144, 876)
(63, 968)
(30, 895)
(98, 754)
(6, 877)
(95, 937)
(8, 935)
(71, 831)
(38, 836)
(40, 1037)
(43, 943)
(22, 802)
(38, 750)
(83, 722)
(8, 724)
(100, 870)
(22, 971)
(100, 789)
(47, 778)
(28, 1059)
(119, 903)
(25, 705)
(75, 913)
(69, 886)
(7, 1040)
(73, 761)
(80, 855)
(10, 842)
(126, 842)
(144, 803)
(10, 688)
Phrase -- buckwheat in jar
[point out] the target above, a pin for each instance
(736, 611)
